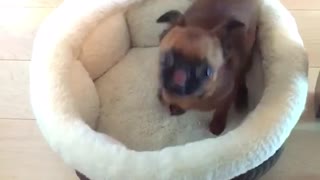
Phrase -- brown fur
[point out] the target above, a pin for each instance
(200, 33)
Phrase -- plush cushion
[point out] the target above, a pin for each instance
(132, 114)
(97, 108)
(141, 20)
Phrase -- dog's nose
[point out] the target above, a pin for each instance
(179, 77)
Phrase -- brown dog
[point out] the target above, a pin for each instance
(205, 55)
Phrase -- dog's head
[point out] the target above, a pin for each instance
(192, 57)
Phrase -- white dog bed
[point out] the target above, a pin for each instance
(94, 86)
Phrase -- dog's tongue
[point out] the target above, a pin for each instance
(179, 77)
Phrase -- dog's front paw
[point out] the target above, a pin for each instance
(176, 110)
(218, 123)
(216, 128)
(242, 99)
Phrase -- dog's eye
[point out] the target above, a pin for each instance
(167, 60)
(204, 71)
(209, 71)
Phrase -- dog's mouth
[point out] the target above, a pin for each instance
(182, 83)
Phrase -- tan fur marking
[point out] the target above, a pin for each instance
(216, 61)
(191, 42)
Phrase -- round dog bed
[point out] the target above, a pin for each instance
(93, 79)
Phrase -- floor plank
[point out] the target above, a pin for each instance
(300, 158)
(312, 76)
(302, 4)
(24, 155)
(30, 3)
(291, 4)
(14, 90)
(17, 30)
(308, 26)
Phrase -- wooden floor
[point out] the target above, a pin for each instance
(24, 155)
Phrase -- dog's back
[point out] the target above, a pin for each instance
(210, 13)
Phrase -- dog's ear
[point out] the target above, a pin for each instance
(172, 17)
(229, 33)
